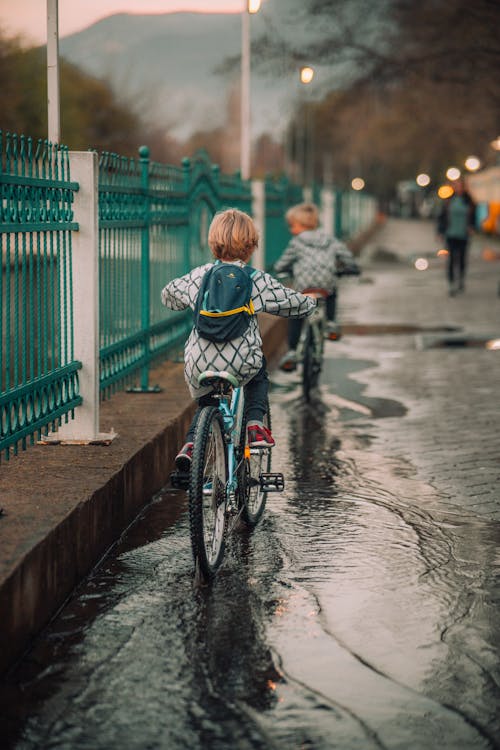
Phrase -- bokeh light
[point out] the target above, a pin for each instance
(421, 264)
(453, 173)
(493, 344)
(423, 179)
(442, 252)
(489, 254)
(496, 143)
(358, 183)
(306, 74)
(445, 191)
(472, 163)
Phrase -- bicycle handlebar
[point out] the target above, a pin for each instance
(316, 291)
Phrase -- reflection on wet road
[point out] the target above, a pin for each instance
(360, 614)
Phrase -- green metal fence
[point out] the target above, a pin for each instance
(38, 375)
(153, 226)
(279, 196)
(153, 222)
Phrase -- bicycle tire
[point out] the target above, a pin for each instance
(255, 462)
(308, 365)
(207, 492)
(313, 359)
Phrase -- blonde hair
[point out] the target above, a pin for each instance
(232, 235)
(305, 214)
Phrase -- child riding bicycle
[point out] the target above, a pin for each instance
(314, 259)
(232, 238)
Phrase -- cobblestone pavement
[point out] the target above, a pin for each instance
(437, 365)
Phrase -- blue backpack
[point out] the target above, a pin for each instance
(224, 303)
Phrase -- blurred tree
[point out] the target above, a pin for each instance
(221, 143)
(91, 115)
(267, 157)
(414, 86)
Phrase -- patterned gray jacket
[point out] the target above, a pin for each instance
(242, 356)
(312, 258)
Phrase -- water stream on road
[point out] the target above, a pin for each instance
(360, 614)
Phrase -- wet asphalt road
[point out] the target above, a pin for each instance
(362, 613)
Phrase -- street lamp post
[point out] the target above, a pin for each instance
(307, 146)
(53, 98)
(250, 6)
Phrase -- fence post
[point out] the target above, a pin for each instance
(84, 428)
(186, 171)
(308, 194)
(259, 216)
(144, 386)
(327, 208)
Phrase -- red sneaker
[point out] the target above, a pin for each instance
(259, 436)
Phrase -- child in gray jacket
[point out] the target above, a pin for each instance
(232, 238)
(314, 259)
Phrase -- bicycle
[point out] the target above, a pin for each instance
(310, 347)
(312, 341)
(228, 481)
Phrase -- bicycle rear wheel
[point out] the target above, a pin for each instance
(256, 461)
(313, 358)
(207, 492)
(309, 377)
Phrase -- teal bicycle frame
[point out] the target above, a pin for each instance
(228, 480)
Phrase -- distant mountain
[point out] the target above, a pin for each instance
(167, 63)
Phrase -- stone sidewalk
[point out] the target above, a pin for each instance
(64, 506)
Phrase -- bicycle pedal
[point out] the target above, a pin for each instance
(272, 482)
(180, 480)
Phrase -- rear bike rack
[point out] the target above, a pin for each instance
(272, 482)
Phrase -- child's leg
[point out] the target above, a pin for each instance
(288, 362)
(256, 405)
(256, 395)
(294, 329)
(331, 305)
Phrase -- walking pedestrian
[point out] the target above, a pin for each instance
(456, 222)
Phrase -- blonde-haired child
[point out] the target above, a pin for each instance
(314, 259)
(232, 238)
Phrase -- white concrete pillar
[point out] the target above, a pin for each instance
(308, 194)
(327, 218)
(259, 217)
(84, 428)
(53, 87)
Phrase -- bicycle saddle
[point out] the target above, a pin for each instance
(215, 377)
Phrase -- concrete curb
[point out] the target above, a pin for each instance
(65, 506)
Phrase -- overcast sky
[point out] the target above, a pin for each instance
(28, 17)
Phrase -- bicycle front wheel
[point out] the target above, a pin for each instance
(207, 492)
(256, 461)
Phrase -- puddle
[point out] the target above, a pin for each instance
(374, 329)
(459, 341)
